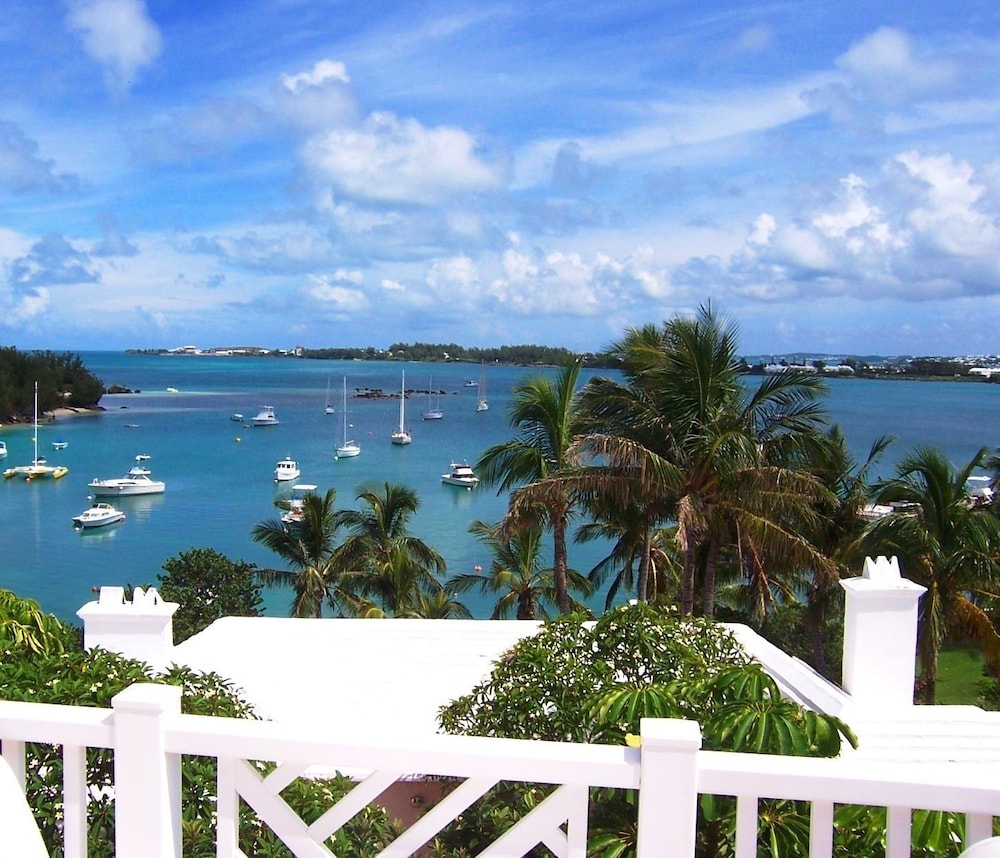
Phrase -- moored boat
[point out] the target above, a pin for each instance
(137, 481)
(293, 515)
(350, 448)
(98, 515)
(460, 474)
(265, 417)
(401, 435)
(287, 469)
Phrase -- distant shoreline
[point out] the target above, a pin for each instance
(48, 417)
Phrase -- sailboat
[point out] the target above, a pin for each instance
(401, 436)
(329, 408)
(433, 411)
(482, 405)
(38, 466)
(348, 449)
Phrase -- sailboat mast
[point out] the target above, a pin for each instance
(35, 435)
(402, 400)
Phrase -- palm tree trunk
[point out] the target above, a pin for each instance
(642, 582)
(560, 563)
(708, 586)
(687, 581)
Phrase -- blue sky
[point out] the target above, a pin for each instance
(295, 172)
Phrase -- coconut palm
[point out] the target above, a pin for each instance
(542, 412)
(516, 574)
(380, 559)
(308, 547)
(684, 439)
(948, 545)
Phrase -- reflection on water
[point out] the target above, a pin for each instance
(139, 507)
(96, 535)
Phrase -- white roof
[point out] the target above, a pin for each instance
(358, 675)
(372, 676)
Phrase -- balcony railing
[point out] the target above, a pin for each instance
(148, 734)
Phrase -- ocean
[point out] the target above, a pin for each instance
(219, 473)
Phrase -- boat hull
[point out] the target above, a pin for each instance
(348, 451)
(118, 489)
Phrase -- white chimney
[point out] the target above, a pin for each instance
(880, 636)
(141, 629)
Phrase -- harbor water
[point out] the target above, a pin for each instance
(219, 471)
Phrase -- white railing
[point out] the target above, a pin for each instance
(149, 735)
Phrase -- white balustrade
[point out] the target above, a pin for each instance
(149, 735)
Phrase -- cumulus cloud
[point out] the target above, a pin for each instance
(885, 63)
(114, 242)
(117, 34)
(396, 160)
(323, 72)
(336, 296)
(22, 171)
(52, 260)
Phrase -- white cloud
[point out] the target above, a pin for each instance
(388, 159)
(884, 62)
(118, 34)
(335, 296)
(322, 72)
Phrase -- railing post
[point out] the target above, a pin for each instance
(668, 795)
(147, 778)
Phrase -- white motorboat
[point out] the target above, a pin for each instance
(434, 410)
(98, 515)
(401, 435)
(236, 417)
(3, 449)
(60, 445)
(38, 467)
(460, 474)
(138, 481)
(265, 417)
(482, 404)
(287, 469)
(349, 449)
(293, 515)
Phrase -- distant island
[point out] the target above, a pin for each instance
(981, 368)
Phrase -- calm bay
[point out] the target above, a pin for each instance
(219, 472)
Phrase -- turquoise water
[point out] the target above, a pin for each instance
(218, 487)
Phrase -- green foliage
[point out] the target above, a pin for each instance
(594, 683)
(62, 379)
(23, 625)
(787, 629)
(208, 585)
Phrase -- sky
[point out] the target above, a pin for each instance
(824, 173)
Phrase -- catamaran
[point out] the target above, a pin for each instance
(38, 466)
(401, 435)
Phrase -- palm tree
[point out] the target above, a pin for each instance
(308, 546)
(948, 545)
(542, 412)
(380, 558)
(685, 440)
(516, 574)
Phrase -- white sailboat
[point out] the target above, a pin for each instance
(433, 412)
(401, 435)
(349, 449)
(38, 466)
(329, 408)
(482, 404)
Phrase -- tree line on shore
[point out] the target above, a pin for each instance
(63, 382)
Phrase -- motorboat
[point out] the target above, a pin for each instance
(401, 435)
(3, 449)
(434, 410)
(38, 467)
(98, 515)
(293, 515)
(349, 449)
(137, 481)
(265, 417)
(460, 474)
(60, 445)
(287, 469)
(236, 417)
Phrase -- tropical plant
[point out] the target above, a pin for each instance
(684, 439)
(516, 576)
(542, 413)
(23, 625)
(207, 585)
(308, 547)
(948, 545)
(380, 559)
